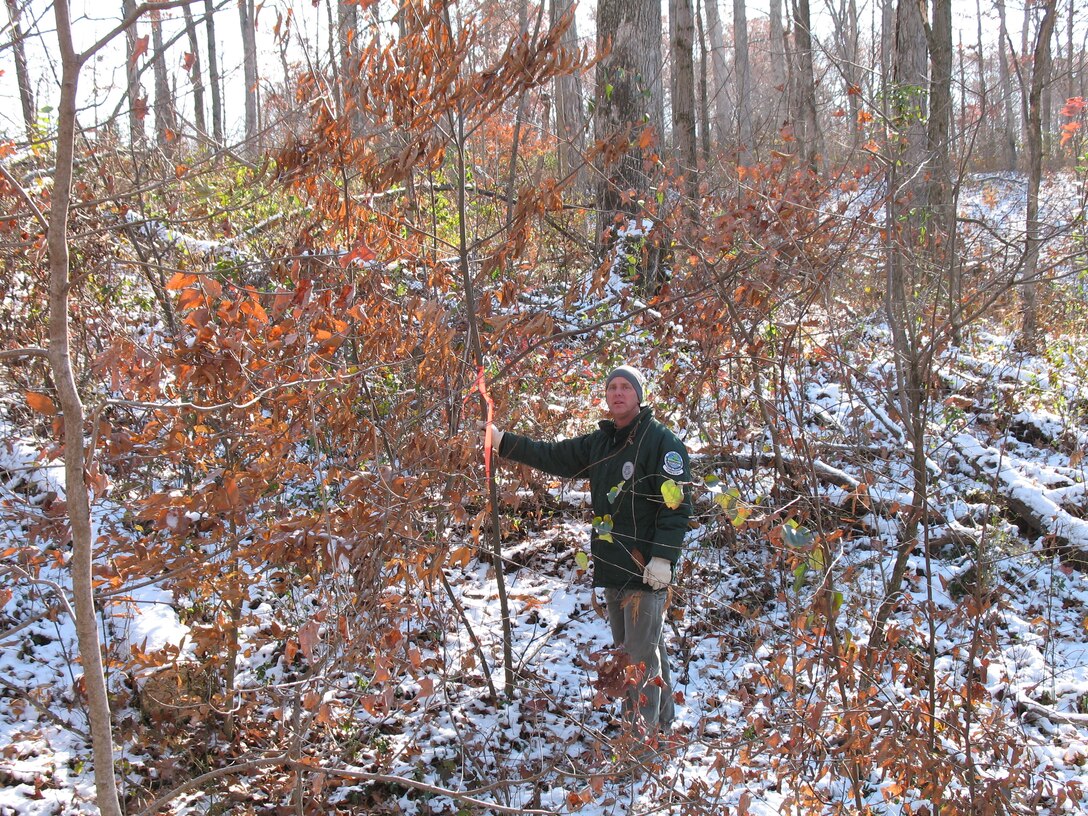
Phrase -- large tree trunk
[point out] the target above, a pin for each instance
(804, 99)
(845, 18)
(703, 88)
(570, 124)
(682, 27)
(213, 73)
(1070, 86)
(165, 122)
(744, 83)
(1040, 71)
(988, 142)
(77, 502)
(938, 130)
(776, 50)
(22, 74)
(195, 73)
(137, 104)
(905, 203)
(246, 12)
(1010, 123)
(720, 103)
(628, 99)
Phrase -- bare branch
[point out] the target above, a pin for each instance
(25, 196)
(133, 16)
(20, 353)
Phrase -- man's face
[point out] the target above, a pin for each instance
(622, 400)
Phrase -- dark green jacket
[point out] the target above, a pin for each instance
(642, 457)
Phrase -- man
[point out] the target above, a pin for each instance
(627, 460)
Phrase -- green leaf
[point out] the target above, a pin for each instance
(836, 601)
(602, 526)
(615, 491)
(581, 559)
(672, 493)
(796, 536)
(799, 577)
(711, 481)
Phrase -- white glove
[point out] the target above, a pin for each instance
(496, 435)
(658, 573)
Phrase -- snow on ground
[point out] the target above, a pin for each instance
(555, 746)
(758, 722)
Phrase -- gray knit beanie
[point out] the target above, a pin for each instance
(633, 376)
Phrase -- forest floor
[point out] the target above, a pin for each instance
(980, 701)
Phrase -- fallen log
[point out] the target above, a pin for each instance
(1056, 526)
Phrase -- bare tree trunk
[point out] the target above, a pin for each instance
(722, 130)
(777, 48)
(213, 74)
(683, 96)
(1069, 84)
(985, 122)
(1030, 335)
(137, 104)
(744, 83)
(1050, 87)
(195, 74)
(905, 270)
(704, 90)
(165, 121)
(940, 119)
(77, 502)
(249, 70)
(22, 74)
(887, 45)
(845, 18)
(628, 77)
(808, 134)
(1006, 89)
(570, 117)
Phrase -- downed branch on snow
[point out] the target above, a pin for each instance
(794, 466)
(467, 797)
(1026, 704)
(1029, 501)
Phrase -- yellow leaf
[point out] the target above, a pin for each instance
(672, 493)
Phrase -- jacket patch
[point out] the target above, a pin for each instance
(628, 470)
(673, 464)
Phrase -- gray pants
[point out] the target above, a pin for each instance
(637, 621)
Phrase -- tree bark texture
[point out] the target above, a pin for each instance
(77, 502)
(845, 19)
(907, 108)
(804, 115)
(628, 100)
(137, 104)
(22, 73)
(570, 117)
(165, 121)
(776, 50)
(1005, 75)
(1039, 74)
(682, 27)
(720, 101)
(938, 129)
(744, 83)
(195, 73)
(246, 14)
(213, 73)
